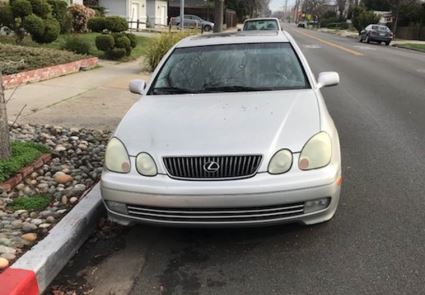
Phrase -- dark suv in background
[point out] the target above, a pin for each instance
(376, 33)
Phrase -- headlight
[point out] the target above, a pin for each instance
(281, 162)
(146, 165)
(316, 153)
(116, 157)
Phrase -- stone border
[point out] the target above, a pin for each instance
(46, 73)
(10, 184)
(37, 268)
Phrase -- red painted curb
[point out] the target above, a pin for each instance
(18, 282)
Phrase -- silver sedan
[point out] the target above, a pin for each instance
(231, 130)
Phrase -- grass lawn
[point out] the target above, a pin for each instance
(33, 203)
(142, 44)
(15, 59)
(420, 47)
(23, 154)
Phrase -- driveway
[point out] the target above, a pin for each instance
(94, 99)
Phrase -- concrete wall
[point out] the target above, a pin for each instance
(115, 7)
(157, 12)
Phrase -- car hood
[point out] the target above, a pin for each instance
(220, 123)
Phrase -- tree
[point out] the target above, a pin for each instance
(362, 17)
(4, 127)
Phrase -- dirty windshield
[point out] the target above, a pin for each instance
(230, 68)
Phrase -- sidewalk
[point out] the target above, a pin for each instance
(97, 98)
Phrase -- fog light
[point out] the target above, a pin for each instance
(316, 205)
(117, 207)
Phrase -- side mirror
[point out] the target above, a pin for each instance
(137, 86)
(362, 31)
(327, 79)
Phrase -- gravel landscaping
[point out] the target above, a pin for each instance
(77, 160)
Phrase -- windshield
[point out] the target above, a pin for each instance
(230, 68)
(263, 25)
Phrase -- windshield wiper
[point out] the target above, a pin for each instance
(170, 90)
(233, 88)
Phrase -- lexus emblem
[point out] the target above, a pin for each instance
(211, 167)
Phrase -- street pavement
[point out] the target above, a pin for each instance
(376, 242)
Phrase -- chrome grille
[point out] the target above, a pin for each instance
(228, 167)
(216, 215)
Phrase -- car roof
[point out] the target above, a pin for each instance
(261, 18)
(234, 38)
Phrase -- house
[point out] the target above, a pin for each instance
(148, 12)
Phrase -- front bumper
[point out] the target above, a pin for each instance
(260, 200)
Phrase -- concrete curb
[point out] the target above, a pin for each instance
(37, 268)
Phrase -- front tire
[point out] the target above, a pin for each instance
(207, 28)
(367, 40)
(387, 43)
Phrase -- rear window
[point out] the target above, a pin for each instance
(261, 25)
(383, 29)
(230, 68)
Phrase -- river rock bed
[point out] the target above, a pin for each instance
(76, 165)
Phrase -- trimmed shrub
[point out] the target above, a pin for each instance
(133, 39)
(60, 13)
(116, 24)
(105, 42)
(41, 8)
(21, 8)
(123, 42)
(97, 24)
(116, 53)
(77, 45)
(34, 25)
(80, 17)
(52, 30)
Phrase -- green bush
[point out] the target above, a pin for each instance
(77, 45)
(33, 203)
(21, 8)
(133, 39)
(6, 15)
(116, 53)
(105, 42)
(23, 153)
(34, 25)
(116, 24)
(97, 24)
(160, 46)
(41, 8)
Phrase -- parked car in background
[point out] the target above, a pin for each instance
(302, 24)
(376, 33)
(232, 130)
(192, 21)
(262, 24)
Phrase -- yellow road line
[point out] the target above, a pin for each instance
(332, 44)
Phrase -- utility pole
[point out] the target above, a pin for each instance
(182, 14)
(218, 17)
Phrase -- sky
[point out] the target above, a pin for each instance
(278, 4)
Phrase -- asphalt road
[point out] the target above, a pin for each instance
(376, 242)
